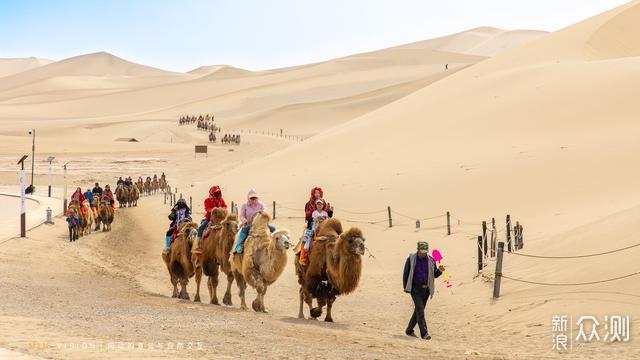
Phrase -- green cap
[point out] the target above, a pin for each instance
(423, 245)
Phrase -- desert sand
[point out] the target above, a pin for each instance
(541, 126)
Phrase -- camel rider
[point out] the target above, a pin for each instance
(120, 181)
(88, 195)
(148, 179)
(108, 195)
(310, 206)
(79, 197)
(155, 177)
(247, 213)
(179, 214)
(214, 200)
(97, 190)
(163, 176)
(140, 181)
(318, 216)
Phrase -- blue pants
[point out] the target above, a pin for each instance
(203, 226)
(242, 236)
(306, 241)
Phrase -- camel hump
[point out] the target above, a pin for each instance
(330, 227)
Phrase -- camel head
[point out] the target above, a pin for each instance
(281, 238)
(217, 215)
(86, 203)
(231, 223)
(261, 220)
(189, 232)
(353, 241)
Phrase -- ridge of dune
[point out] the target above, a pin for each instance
(219, 71)
(94, 64)
(10, 66)
(482, 41)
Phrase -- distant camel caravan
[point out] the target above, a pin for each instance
(334, 268)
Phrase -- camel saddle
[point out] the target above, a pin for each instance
(209, 228)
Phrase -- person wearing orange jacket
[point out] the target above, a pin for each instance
(214, 200)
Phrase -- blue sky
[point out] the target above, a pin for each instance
(259, 34)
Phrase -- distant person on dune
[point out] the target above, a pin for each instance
(419, 271)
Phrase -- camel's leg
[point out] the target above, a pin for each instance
(210, 287)
(227, 294)
(214, 285)
(330, 301)
(242, 285)
(300, 313)
(198, 278)
(264, 292)
(317, 311)
(256, 280)
(174, 282)
(183, 291)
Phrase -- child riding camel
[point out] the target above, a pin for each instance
(247, 213)
(310, 206)
(180, 213)
(214, 200)
(319, 215)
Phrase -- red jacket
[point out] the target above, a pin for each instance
(78, 196)
(213, 202)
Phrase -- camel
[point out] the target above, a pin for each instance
(216, 248)
(178, 261)
(335, 266)
(263, 260)
(155, 186)
(106, 214)
(122, 195)
(96, 211)
(89, 217)
(163, 185)
(134, 195)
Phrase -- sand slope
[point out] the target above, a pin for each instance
(14, 66)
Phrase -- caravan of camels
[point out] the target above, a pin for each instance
(95, 209)
(331, 265)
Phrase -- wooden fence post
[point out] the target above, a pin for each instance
(479, 253)
(448, 223)
(389, 212)
(521, 236)
(274, 210)
(498, 275)
(508, 230)
(165, 198)
(417, 224)
(484, 238)
(232, 207)
(190, 203)
(494, 237)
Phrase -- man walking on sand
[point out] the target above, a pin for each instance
(419, 271)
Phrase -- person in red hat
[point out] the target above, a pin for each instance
(214, 200)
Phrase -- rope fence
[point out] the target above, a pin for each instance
(499, 275)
